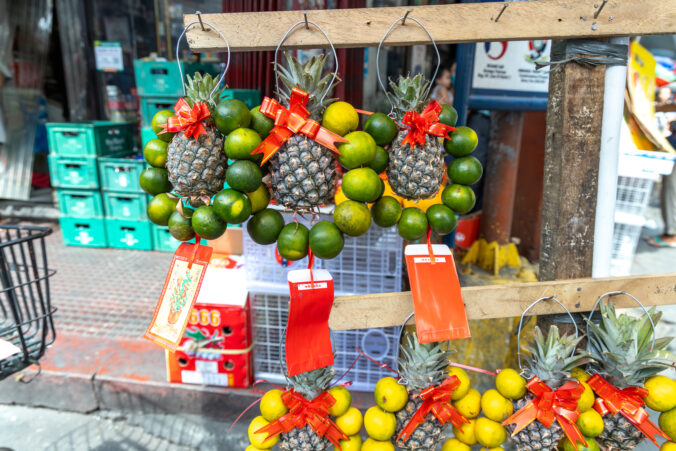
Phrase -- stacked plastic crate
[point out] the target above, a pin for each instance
(73, 166)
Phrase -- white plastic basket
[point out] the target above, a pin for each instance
(270, 316)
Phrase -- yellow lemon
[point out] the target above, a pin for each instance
(350, 422)
(453, 444)
(253, 448)
(258, 439)
(341, 118)
(668, 446)
(461, 374)
(466, 434)
(668, 423)
(590, 423)
(587, 398)
(662, 396)
(580, 374)
(377, 445)
(390, 395)
(272, 406)
(495, 406)
(470, 404)
(380, 425)
(489, 433)
(343, 400)
(510, 384)
(353, 443)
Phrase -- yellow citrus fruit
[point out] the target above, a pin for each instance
(662, 396)
(668, 446)
(510, 384)
(466, 434)
(350, 422)
(380, 425)
(253, 448)
(371, 444)
(461, 374)
(360, 149)
(258, 440)
(341, 118)
(566, 445)
(590, 423)
(272, 406)
(587, 398)
(497, 448)
(353, 443)
(668, 423)
(453, 444)
(339, 197)
(424, 204)
(343, 400)
(470, 404)
(495, 406)
(390, 395)
(580, 374)
(489, 433)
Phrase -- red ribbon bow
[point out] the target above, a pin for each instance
(628, 401)
(436, 400)
(421, 124)
(550, 405)
(290, 121)
(302, 412)
(188, 119)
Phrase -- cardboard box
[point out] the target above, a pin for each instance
(217, 345)
(228, 243)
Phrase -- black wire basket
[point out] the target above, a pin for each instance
(25, 308)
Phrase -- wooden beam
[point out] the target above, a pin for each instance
(467, 22)
(503, 301)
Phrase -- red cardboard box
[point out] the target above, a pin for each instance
(216, 348)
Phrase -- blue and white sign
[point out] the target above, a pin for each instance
(510, 66)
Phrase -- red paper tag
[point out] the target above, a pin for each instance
(437, 299)
(308, 340)
(178, 295)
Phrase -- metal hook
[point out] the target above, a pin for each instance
(307, 24)
(403, 20)
(501, 11)
(199, 17)
(598, 11)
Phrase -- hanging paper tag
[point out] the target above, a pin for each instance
(7, 349)
(437, 300)
(308, 340)
(178, 295)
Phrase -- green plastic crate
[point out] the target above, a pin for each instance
(125, 205)
(129, 234)
(73, 172)
(90, 138)
(251, 97)
(121, 173)
(87, 232)
(162, 78)
(147, 134)
(151, 105)
(82, 203)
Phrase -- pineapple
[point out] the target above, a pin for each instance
(414, 173)
(310, 385)
(197, 166)
(551, 361)
(302, 172)
(621, 347)
(420, 366)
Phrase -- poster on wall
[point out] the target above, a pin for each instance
(511, 66)
(108, 55)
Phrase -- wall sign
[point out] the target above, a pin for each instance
(510, 66)
(108, 55)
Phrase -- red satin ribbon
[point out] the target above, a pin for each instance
(291, 121)
(302, 412)
(420, 125)
(628, 401)
(550, 405)
(187, 119)
(436, 400)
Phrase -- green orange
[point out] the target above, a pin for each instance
(244, 176)
(261, 123)
(264, 227)
(180, 227)
(326, 240)
(459, 198)
(240, 143)
(352, 218)
(413, 224)
(207, 224)
(341, 118)
(160, 209)
(231, 114)
(381, 127)
(259, 198)
(159, 122)
(463, 142)
(362, 184)
(386, 211)
(232, 206)
(448, 115)
(293, 241)
(358, 151)
(155, 153)
(379, 163)
(155, 181)
(465, 170)
(442, 219)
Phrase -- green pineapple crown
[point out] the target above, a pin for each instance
(307, 77)
(408, 94)
(312, 383)
(553, 357)
(621, 347)
(199, 88)
(422, 365)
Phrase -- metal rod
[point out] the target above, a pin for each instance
(199, 17)
(596, 14)
(403, 20)
(307, 24)
(502, 11)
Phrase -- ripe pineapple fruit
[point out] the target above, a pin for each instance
(621, 347)
(551, 359)
(420, 366)
(197, 165)
(303, 172)
(414, 173)
(310, 385)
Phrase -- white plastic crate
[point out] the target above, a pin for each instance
(270, 312)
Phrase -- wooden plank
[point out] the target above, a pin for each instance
(503, 301)
(468, 22)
